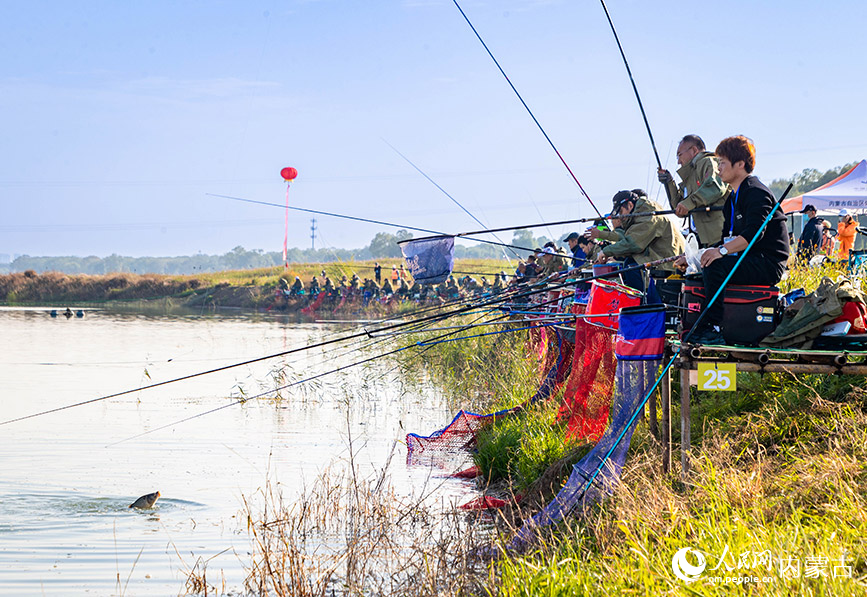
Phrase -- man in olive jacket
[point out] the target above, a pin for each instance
(638, 239)
(701, 187)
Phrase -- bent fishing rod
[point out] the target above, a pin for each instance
(686, 340)
(437, 317)
(529, 111)
(632, 80)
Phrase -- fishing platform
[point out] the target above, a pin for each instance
(715, 368)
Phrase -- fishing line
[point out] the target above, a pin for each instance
(530, 112)
(271, 391)
(632, 80)
(531, 327)
(438, 317)
(455, 201)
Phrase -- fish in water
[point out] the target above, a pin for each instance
(146, 501)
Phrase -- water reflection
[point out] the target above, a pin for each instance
(64, 495)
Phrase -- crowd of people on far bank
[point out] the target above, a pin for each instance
(723, 206)
(388, 288)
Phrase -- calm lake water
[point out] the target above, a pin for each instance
(66, 482)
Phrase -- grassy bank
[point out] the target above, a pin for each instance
(779, 480)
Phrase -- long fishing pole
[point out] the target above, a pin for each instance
(283, 387)
(634, 87)
(659, 212)
(369, 221)
(466, 235)
(686, 340)
(529, 111)
(455, 201)
(438, 317)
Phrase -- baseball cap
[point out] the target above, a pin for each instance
(809, 207)
(844, 212)
(548, 250)
(572, 236)
(622, 197)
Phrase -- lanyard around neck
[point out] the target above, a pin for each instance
(734, 205)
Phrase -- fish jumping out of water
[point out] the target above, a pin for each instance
(146, 501)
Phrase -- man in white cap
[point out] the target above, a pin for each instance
(846, 229)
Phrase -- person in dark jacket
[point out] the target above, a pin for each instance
(745, 210)
(811, 237)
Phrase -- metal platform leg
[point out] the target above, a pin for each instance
(684, 424)
(651, 414)
(665, 440)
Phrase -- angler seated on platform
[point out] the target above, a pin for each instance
(745, 210)
(552, 261)
(584, 250)
(638, 239)
(297, 287)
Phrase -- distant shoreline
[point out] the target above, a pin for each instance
(255, 290)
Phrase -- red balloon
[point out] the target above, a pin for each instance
(289, 174)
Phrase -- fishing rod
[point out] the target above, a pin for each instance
(369, 221)
(455, 201)
(660, 212)
(277, 389)
(529, 111)
(551, 317)
(437, 317)
(686, 340)
(634, 87)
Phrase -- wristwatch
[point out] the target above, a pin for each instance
(723, 251)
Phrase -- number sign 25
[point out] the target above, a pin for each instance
(719, 377)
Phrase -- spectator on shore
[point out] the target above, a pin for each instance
(811, 236)
(377, 272)
(846, 230)
(829, 243)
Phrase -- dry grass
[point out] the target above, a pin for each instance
(347, 535)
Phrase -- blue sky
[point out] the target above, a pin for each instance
(119, 118)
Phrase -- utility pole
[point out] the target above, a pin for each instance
(313, 233)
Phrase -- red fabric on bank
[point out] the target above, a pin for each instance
(484, 502)
(587, 397)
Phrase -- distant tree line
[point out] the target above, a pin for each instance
(807, 180)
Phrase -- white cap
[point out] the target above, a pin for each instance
(844, 212)
(548, 250)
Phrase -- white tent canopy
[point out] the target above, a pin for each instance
(848, 191)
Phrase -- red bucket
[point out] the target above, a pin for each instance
(607, 298)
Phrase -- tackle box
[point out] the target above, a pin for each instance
(750, 312)
(669, 290)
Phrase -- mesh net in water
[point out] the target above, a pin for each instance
(639, 354)
(460, 434)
